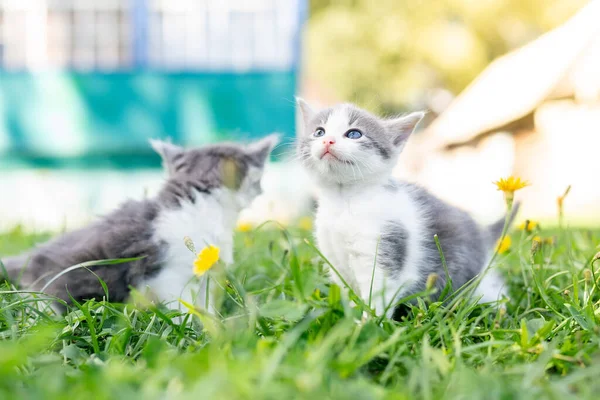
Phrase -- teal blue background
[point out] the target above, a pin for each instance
(72, 119)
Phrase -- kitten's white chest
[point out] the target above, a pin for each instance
(343, 227)
(347, 229)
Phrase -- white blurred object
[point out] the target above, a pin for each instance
(463, 176)
(438, 100)
(513, 85)
(59, 199)
(508, 121)
(287, 195)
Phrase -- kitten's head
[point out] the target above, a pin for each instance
(236, 168)
(345, 144)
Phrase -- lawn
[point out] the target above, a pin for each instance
(286, 333)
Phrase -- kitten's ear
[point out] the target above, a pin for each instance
(305, 110)
(259, 151)
(168, 152)
(400, 128)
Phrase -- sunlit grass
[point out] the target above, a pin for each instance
(286, 333)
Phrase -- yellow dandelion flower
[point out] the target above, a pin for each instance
(528, 226)
(537, 239)
(510, 185)
(244, 227)
(206, 259)
(504, 245)
(305, 223)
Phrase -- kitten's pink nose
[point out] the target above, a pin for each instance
(328, 141)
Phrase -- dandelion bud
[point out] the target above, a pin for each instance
(587, 274)
(305, 223)
(431, 280)
(189, 243)
(536, 244)
(561, 199)
(528, 226)
(596, 257)
(244, 227)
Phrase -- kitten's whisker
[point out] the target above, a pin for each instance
(357, 162)
(353, 160)
(366, 165)
(289, 153)
(353, 170)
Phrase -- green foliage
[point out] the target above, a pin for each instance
(18, 240)
(384, 54)
(286, 333)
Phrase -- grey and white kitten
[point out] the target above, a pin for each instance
(201, 198)
(367, 218)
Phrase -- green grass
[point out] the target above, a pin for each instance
(286, 333)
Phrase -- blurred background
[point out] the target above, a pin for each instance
(512, 87)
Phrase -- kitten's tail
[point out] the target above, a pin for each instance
(494, 231)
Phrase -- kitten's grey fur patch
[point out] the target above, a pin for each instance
(391, 185)
(464, 243)
(353, 116)
(374, 144)
(392, 247)
(128, 232)
(322, 117)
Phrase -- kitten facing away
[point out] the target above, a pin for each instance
(366, 218)
(201, 198)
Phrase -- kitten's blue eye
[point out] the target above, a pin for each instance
(353, 134)
(319, 132)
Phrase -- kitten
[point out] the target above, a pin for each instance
(205, 190)
(363, 213)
